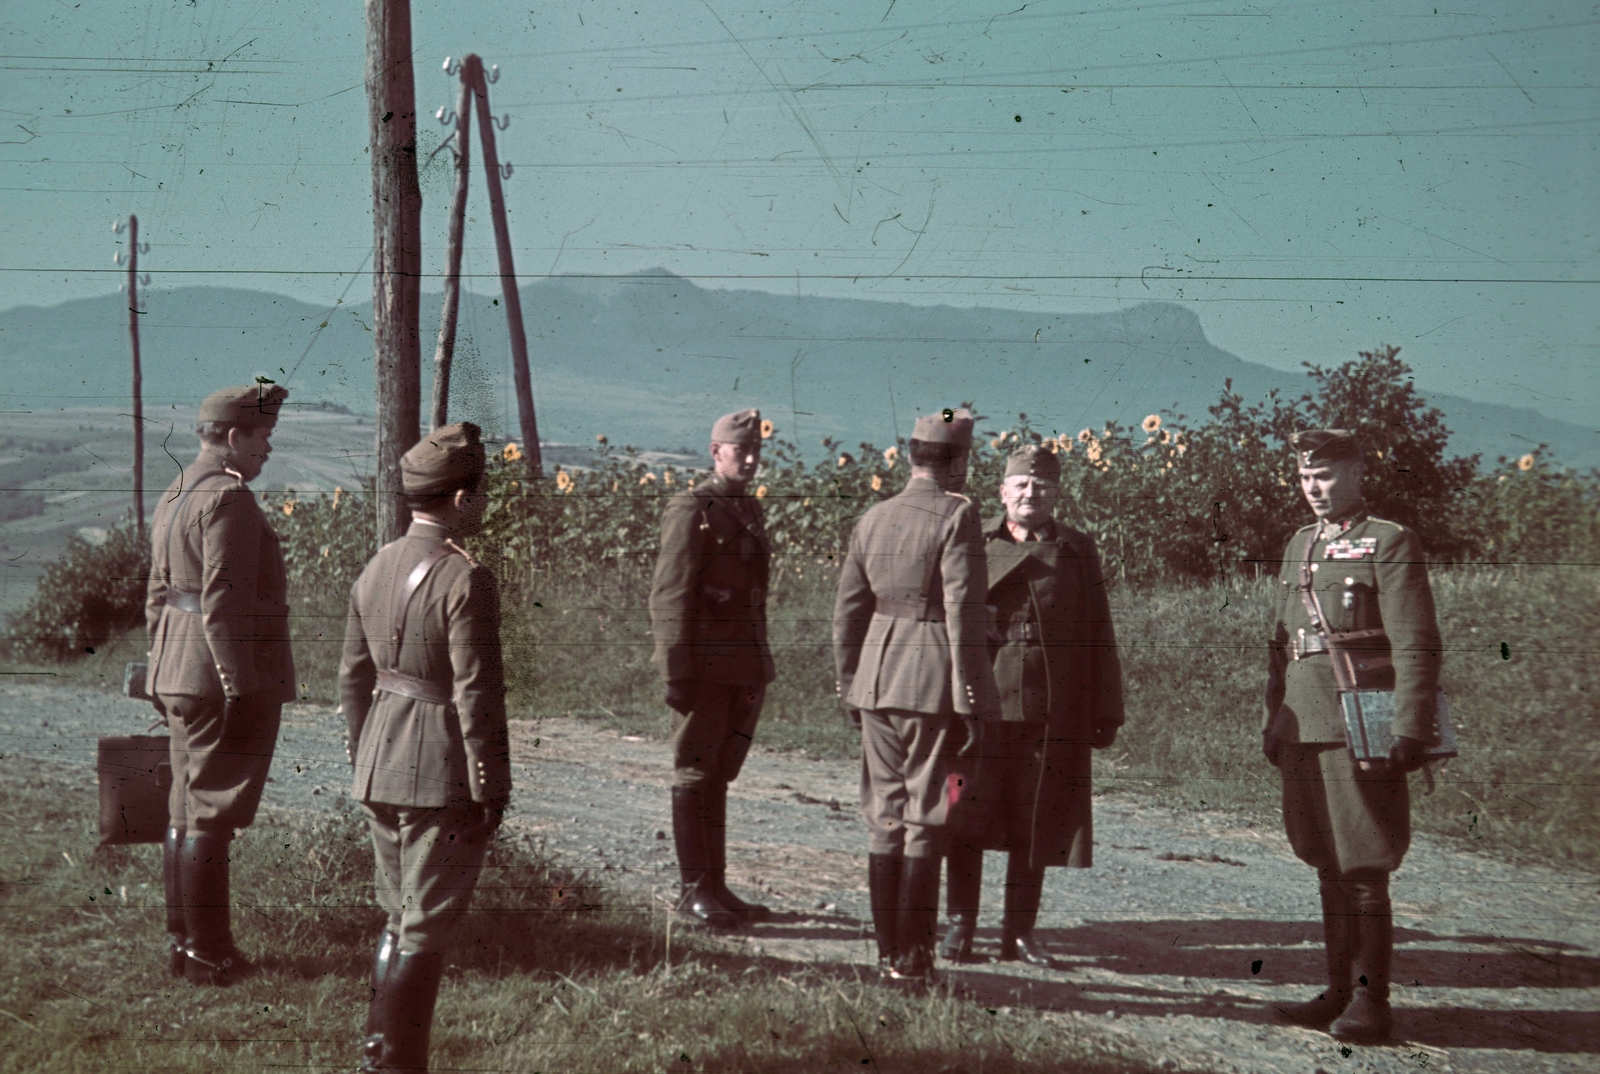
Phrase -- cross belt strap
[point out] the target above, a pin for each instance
(392, 679)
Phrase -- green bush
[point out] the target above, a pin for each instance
(92, 592)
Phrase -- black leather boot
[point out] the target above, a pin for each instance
(717, 855)
(382, 962)
(1368, 1019)
(1024, 888)
(1338, 930)
(212, 957)
(919, 920)
(883, 893)
(696, 902)
(171, 882)
(963, 884)
(401, 1017)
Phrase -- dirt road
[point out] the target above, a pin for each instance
(1190, 924)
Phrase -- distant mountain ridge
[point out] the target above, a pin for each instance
(651, 359)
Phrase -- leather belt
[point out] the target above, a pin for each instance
(394, 682)
(1308, 645)
(910, 609)
(184, 601)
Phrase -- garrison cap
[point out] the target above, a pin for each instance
(249, 405)
(1034, 461)
(946, 427)
(740, 427)
(1314, 446)
(449, 458)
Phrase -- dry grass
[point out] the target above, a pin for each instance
(544, 977)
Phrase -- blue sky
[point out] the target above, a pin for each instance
(1311, 178)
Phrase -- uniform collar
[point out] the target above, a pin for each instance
(996, 528)
(1332, 527)
(421, 527)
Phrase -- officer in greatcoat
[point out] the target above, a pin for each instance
(1349, 571)
(220, 668)
(913, 663)
(708, 613)
(422, 690)
(1060, 683)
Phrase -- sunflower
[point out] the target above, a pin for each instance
(1064, 442)
(647, 479)
(1084, 436)
(761, 492)
(338, 494)
(890, 454)
(1151, 423)
(563, 481)
(288, 505)
(511, 452)
(1525, 463)
(877, 482)
(601, 439)
(667, 478)
(766, 429)
(845, 460)
(1094, 450)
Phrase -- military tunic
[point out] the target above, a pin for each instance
(911, 652)
(1367, 573)
(217, 613)
(1057, 671)
(427, 727)
(708, 614)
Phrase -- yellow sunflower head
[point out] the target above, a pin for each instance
(1525, 463)
(1151, 423)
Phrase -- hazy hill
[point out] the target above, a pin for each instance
(651, 359)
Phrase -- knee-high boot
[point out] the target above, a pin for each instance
(696, 901)
(1338, 932)
(919, 919)
(203, 870)
(883, 893)
(382, 962)
(1368, 1019)
(401, 1018)
(1024, 889)
(963, 888)
(172, 885)
(717, 855)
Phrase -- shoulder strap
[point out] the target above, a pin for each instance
(402, 605)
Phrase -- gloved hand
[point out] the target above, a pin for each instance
(1270, 746)
(970, 723)
(1103, 736)
(1406, 754)
(680, 696)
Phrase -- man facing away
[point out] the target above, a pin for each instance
(220, 667)
(1060, 683)
(422, 690)
(708, 612)
(1349, 571)
(913, 664)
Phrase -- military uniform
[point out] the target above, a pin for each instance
(1370, 576)
(422, 691)
(910, 649)
(708, 614)
(220, 669)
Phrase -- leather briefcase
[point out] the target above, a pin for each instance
(135, 773)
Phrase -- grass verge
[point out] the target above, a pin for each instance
(546, 975)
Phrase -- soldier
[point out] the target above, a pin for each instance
(708, 611)
(909, 645)
(1349, 571)
(220, 667)
(1060, 683)
(422, 690)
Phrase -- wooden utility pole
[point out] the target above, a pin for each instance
(508, 281)
(471, 71)
(138, 378)
(397, 250)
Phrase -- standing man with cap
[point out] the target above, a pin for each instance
(220, 667)
(913, 664)
(1349, 571)
(1060, 683)
(422, 691)
(708, 611)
